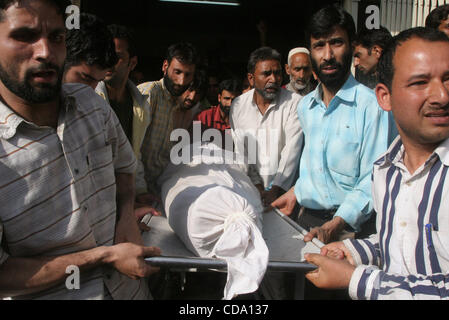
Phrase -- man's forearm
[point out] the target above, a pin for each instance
(125, 193)
(127, 229)
(20, 276)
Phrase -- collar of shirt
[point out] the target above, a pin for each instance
(138, 97)
(168, 95)
(10, 121)
(346, 93)
(216, 115)
(395, 154)
(272, 105)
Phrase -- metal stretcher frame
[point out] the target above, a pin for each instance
(283, 236)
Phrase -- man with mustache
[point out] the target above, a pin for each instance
(179, 69)
(218, 117)
(265, 117)
(344, 131)
(408, 256)
(67, 187)
(299, 68)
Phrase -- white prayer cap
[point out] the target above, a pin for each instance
(297, 50)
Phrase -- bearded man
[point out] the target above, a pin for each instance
(345, 131)
(164, 97)
(299, 68)
(265, 118)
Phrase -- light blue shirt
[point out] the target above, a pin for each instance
(342, 142)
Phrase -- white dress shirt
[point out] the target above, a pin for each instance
(272, 142)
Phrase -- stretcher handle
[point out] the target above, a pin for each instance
(196, 262)
(297, 227)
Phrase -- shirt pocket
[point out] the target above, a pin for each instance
(343, 162)
(101, 168)
(440, 241)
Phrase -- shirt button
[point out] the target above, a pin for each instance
(403, 224)
(76, 171)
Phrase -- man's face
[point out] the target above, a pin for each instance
(225, 99)
(299, 70)
(266, 79)
(419, 96)
(86, 74)
(331, 58)
(365, 60)
(190, 98)
(120, 73)
(177, 76)
(32, 46)
(444, 26)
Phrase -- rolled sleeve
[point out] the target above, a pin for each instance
(364, 283)
(365, 251)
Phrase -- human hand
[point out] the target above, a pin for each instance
(144, 205)
(286, 203)
(128, 259)
(331, 273)
(268, 196)
(327, 232)
(337, 250)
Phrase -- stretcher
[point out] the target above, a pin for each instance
(283, 236)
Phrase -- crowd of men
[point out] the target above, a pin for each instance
(359, 161)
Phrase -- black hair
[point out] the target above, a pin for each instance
(323, 23)
(92, 44)
(61, 5)
(437, 15)
(185, 52)
(199, 83)
(369, 38)
(231, 85)
(125, 33)
(262, 54)
(385, 66)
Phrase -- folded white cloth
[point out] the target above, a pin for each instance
(217, 212)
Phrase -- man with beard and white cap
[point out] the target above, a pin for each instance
(266, 116)
(299, 68)
(345, 131)
(179, 69)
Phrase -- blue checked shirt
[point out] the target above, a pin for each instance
(408, 257)
(342, 141)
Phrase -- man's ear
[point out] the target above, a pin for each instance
(377, 51)
(133, 63)
(287, 69)
(383, 95)
(251, 79)
(165, 66)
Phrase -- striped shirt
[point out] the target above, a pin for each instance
(58, 191)
(408, 258)
(156, 144)
(341, 143)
